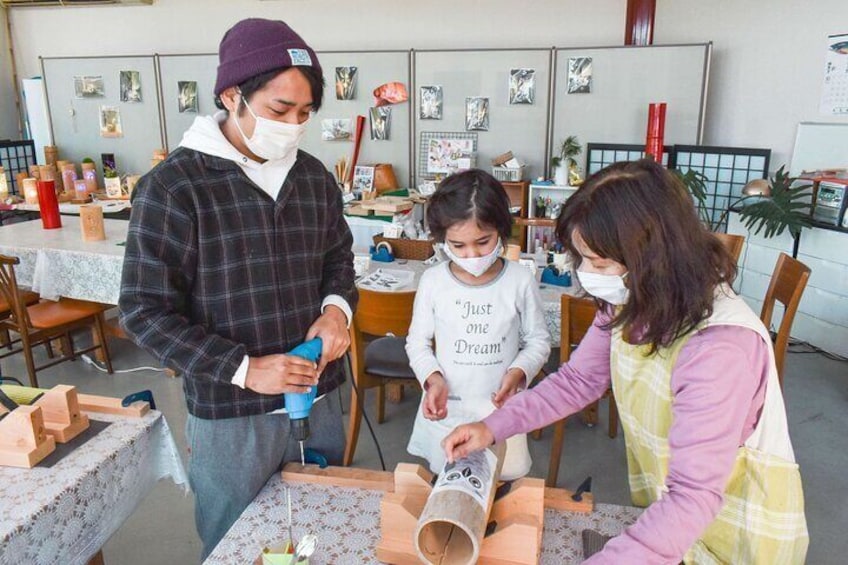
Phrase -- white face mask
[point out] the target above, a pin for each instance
(609, 288)
(475, 266)
(272, 140)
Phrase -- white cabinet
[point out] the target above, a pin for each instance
(542, 227)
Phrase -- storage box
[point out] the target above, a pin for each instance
(508, 175)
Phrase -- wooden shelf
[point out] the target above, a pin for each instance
(536, 222)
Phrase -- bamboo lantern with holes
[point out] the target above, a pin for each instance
(51, 153)
(132, 180)
(47, 172)
(89, 175)
(35, 172)
(453, 523)
(91, 222)
(30, 190)
(69, 175)
(4, 185)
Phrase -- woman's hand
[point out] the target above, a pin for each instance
(331, 327)
(512, 383)
(466, 439)
(435, 405)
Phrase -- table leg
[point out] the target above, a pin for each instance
(97, 559)
(394, 393)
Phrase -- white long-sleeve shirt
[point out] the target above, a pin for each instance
(480, 332)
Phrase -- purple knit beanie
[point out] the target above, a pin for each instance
(255, 46)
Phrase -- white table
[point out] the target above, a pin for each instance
(67, 512)
(363, 230)
(58, 262)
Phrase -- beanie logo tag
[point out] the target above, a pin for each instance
(300, 58)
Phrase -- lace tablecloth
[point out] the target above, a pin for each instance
(347, 523)
(64, 514)
(58, 262)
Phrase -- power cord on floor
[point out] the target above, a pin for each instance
(364, 413)
(794, 344)
(97, 366)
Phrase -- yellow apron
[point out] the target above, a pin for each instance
(762, 519)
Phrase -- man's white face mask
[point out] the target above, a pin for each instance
(271, 140)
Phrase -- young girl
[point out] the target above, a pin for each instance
(478, 333)
(694, 378)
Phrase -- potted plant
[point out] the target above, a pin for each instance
(563, 165)
(541, 208)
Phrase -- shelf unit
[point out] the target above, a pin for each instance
(543, 228)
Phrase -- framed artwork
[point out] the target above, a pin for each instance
(476, 113)
(345, 83)
(579, 75)
(363, 178)
(446, 156)
(380, 122)
(130, 86)
(110, 122)
(522, 86)
(187, 96)
(88, 87)
(336, 130)
(432, 102)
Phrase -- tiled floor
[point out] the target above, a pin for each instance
(161, 531)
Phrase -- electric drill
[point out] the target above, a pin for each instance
(298, 404)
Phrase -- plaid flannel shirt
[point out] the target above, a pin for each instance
(215, 270)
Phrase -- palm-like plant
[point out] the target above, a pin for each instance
(569, 149)
(787, 208)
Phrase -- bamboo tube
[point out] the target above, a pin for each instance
(452, 525)
(91, 222)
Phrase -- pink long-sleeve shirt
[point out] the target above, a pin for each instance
(718, 387)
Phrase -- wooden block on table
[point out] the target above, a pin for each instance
(23, 440)
(356, 209)
(106, 405)
(339, 476)
(560, 499)
(388, 204)
(61, 411)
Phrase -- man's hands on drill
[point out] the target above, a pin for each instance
(279, 373)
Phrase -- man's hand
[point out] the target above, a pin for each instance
(512, 383)
(276, 374)
(466, 439)
(331, 327)
(435, 405)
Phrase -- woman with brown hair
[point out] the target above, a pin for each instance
(693, 373)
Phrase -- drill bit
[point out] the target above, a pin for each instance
(302, 455)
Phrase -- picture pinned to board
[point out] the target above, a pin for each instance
(187, 96)
(448, 155)
(336, 130)
(522, 86)
(345, 83)
(130, 86)
(380, 122)
(579, 75)
(110, 122)
(432, 102)
(476, 113)
(89, 87)
(363, 178)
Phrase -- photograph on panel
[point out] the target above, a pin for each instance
(89, 87)
(187, 97)
(336, 130)
(476, 113)
(522, 86)
(579, 75)
(431, 103)
(110, 122)
(380, 122)
(345, 83)
(130, 86)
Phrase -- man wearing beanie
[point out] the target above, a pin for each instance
(238, 251)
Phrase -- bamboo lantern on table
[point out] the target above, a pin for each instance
(4, 185)
(453, 523)
(91, 222)
(30, 187)
(35, 172)
(89, 175)
(69, 175)
(51, 154)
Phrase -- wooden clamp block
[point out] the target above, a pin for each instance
(338, 476)
(560, 499)
(62, 417)
(23, 440)
(107, 405)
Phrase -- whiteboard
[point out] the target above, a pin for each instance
(200, 68)
(624, 81)
(520, 128)
(374, 68)
(75, 121)
(819, 146)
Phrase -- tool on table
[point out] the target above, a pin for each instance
(298, 404)
(289, 512)
(305, 548)
(585, 486)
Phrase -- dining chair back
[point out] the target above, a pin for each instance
(41, 322)
(787, 285)
(734, 243)
(377, 353)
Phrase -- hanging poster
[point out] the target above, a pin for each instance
(380, 122)
(187, 97)
(336, 130)
(431, 103)
(345, 83)
(834, 99)
(579, 75)
(522, 86)
(130, 86)
(88, 87)
(476, 113)
(110, 122)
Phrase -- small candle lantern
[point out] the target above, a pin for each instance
(30, 190)
(91, 222)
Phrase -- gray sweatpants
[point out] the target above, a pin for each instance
(232, 459)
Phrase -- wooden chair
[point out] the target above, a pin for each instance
(787, 286)
(39, 323)
(733, 243)
(576, 318)
(378, 355)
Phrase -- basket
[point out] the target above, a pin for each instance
(508, 175)
(415, 249)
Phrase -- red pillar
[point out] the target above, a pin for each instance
(639, 26)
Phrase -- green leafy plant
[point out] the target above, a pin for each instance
(568, 150)
(787, 208)
(696, 183)
(88, 160)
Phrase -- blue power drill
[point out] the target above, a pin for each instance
(298, 404)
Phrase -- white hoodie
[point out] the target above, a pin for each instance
(205, 136)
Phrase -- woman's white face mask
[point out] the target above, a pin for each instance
(271, 140)
(609, 288)
(475, 266)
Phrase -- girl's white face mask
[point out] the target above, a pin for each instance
(475, 266)
(609, 288)
(272, 140)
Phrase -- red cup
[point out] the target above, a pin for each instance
(48, 204)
